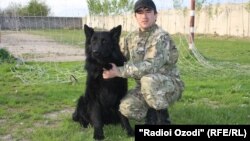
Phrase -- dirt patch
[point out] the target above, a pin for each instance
(39, 48)
(56, 114)
(2, 121)
(6, 138)
(53, 118)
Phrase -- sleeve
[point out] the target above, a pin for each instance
(162, 52)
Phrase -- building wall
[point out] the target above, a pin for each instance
(232, 20)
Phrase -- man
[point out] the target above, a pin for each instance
(152, 58)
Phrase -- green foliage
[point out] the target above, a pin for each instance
(177, 4)
(35, 8)
(23, 11)
(199, 4)
(5, 56)
(109, 7)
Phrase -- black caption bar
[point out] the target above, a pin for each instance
(203, 132)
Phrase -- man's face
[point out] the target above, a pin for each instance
(145, 17)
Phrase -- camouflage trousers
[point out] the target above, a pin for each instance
(154, 90)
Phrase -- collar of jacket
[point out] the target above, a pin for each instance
(146, 32)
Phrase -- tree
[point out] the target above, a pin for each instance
(199, 4)
(109, 7)
(35, 8)
(12, 9)
(177, 4)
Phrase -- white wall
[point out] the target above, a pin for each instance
(232, 20)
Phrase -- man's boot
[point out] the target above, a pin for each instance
(163, 117)
(151, 117)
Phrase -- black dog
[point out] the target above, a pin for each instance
(100, 105)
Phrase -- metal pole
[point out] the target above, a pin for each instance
(192, 19)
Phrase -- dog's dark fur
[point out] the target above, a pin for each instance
(100, 104)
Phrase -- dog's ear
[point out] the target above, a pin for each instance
(88, 31)
(116, 32)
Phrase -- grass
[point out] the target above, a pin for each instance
(224, 49)
(5, 56)
(42, 111)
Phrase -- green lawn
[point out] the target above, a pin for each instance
(41, 110)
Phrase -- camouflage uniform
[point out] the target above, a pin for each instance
(152, 58)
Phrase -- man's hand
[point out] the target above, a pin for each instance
(113, 72)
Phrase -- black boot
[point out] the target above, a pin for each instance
(151, 117)
(163, 117)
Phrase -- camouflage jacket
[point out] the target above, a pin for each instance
(148, 52)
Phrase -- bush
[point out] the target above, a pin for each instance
(5, 56)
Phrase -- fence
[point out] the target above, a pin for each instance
(227, 19)
(27, 22)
